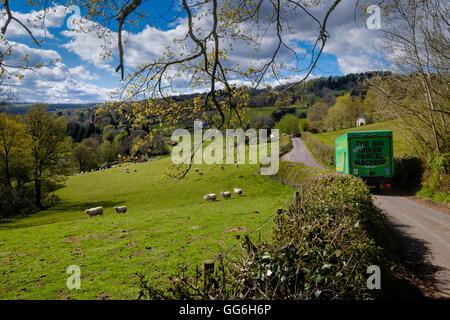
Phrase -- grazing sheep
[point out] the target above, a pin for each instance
(200, 173)
(221, 167)
(236, 165)
(197, 170)
(237, 191)
(97, 211)
(134, 170)
(226, 194)
(210, 197)
(121, 209)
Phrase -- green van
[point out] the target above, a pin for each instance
(368, 155)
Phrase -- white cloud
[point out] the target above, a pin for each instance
(80, 72)
(356, 48)
(38, 22)
(55, 83)
(86, 44)
(35, 55)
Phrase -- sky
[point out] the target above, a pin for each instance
(82, 75)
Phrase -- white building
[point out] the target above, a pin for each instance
(361, 120)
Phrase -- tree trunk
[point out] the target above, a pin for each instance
(37, 187)
(8, 176)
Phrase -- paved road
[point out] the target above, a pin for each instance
(423, 233)
(301, 154)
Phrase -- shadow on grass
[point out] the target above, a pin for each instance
(59, 213)
(82, 206)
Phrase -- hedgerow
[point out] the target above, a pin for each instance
(321, 151)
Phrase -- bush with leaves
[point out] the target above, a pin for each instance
(16, 201)
(436, 180)
(408, 172)
(289, 124)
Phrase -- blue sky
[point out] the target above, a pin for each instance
(82, 76)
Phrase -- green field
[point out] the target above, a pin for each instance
(267, 111)
(400, 148)
(167, 225)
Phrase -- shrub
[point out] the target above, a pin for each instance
(289, 124)
(436, 180)
(408, 172)
(285, 144)
(16, 201)
(304, 125)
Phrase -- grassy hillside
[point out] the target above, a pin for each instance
(167, 225)
(399, 146)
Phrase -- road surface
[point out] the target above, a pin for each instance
(301, 154)
(423, 233)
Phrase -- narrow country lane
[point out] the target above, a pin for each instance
(423, 232)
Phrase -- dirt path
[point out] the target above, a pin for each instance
(423, 233)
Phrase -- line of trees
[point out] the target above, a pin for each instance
(30, 153)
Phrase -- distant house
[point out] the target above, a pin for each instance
(361, 120)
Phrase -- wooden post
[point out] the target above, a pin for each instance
(208, 270)
(208, 266)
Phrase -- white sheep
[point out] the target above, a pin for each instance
(200, 173)
(121, 209)
(197, 170)
(210, 197)
(225, 194)
(97, 211)
(237, 191)
(236, 165)
(134, 170)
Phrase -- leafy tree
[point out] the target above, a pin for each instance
(419, 98)
(317, 114)
(262, 122)
(109, 133)
(108, 152)
(84, 157)
(46, 133)
(123, 143)
(289, 124)
(13, 141)
(304, 125)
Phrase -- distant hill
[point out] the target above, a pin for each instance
(21, 108)
(323, 89)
